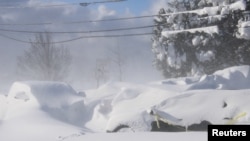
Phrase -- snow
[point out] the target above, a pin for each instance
(196, 40)
(213, 11)
(244, 30)
(210, 30)
(205, 56)
(238, 5)
(54, 111)
(215, 113)
(56, 99)
(201, 26)
(144, 137)
(226, 79)
(170, 118)
(173, 59)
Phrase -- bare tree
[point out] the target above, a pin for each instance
(101, 71)
(117, 58)
(44, 61)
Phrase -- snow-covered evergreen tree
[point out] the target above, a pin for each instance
(194, 37)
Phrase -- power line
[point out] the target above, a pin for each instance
(61, 5)
(25, 24)
(114, 19)
(90, 31)
(89, 21)
(78, 38)
(11, 38)
(39, 6)
(104, 20)
(97, 2)
(80, 22)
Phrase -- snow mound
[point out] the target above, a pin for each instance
(47, 108)
(134, 122)
(125, 94)
(233, 78)
(50, 94)
(215, 106)
(180, 81)
(183, 102)
(125, 105)
(57, 99)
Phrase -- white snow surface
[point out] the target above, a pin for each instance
(210, 30)
(53, 111)
(244, 30)
(217, 6)
(205, 56)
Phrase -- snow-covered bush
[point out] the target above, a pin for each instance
(199, 37)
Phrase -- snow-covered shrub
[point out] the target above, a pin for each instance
(198, 37)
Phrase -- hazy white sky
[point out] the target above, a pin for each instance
(136, 50)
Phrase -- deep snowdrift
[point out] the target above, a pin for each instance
(40, 111)
(54, 111)
(233, 78)
(58, 100)
(185, 98)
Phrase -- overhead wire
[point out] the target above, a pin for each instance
(90, 31)
(25, 24)
(38, 6)
(81, 37)
(103, 20)
(109, 20)
(97, 2)
(80, 22)
(74, 22)
(59, 5)
(94, 31)
(89, 21)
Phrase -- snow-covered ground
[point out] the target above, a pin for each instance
(54, 111)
